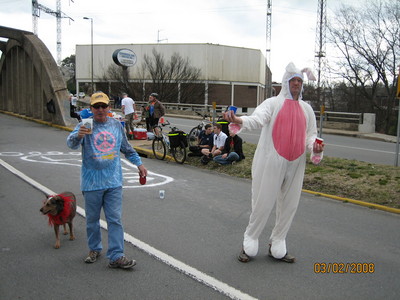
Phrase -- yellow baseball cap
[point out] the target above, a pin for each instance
(99, 97)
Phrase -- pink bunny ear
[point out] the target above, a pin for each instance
(309, 73)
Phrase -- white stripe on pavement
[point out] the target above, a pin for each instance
(193, 273)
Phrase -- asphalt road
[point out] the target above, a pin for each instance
(377, 152)
(185, 244)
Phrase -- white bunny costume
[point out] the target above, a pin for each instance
(288, 128)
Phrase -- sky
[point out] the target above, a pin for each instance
(239, 23)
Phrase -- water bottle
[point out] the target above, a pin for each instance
(162, 194)
(317, 157)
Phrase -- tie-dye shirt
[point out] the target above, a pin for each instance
(101, 150)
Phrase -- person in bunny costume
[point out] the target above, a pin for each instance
(288, 129)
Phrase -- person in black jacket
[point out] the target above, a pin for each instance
(205, 141)
(232, 152)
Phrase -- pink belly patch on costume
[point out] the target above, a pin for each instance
(289, 132)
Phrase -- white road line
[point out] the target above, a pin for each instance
(363, 149)
(193, 273)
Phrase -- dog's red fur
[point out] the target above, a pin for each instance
(61, 210)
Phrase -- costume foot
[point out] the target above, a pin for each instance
(287, 258)
(243, 257)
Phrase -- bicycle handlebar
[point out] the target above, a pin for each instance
(201, 115)
(165, 123)
(173, 128)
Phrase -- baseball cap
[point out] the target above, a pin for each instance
(155, 95)
(99, 97)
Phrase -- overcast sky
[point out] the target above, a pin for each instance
(240, 23)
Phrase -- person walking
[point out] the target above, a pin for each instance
(101, 179)
(73, 101)
(128, 108)
(288, 128)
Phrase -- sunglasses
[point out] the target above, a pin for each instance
(97, 106)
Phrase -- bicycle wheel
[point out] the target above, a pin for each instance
(179, 153)
(192, 136)
(159, 149)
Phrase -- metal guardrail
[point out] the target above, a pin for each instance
(189, 109)
(341, 117)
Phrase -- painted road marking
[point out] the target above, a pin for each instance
(130, 171)
(192, 272)
(362, 149)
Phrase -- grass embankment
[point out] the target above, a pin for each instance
(345, 178)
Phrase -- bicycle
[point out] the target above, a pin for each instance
(195, 131)
(175, 141)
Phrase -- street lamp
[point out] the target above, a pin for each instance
(91, 31)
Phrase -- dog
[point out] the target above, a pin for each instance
(61, 210)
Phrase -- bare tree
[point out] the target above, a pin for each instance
(369, 47)
(175, 80)
(119, 77)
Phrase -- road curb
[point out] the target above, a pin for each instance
(358, 202)
(148, 153)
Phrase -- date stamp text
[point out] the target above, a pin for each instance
(344, 268)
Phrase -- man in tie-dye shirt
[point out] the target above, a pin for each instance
(101, 179)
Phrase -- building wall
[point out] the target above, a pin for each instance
(233, 74)
(220, 93)
(243, 93)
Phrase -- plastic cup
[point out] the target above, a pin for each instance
(234, 128)
(319, 140)
(142, 180)
(233, 108)
(88, 123)
(162, 194)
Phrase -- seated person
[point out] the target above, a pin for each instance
(218, 145)
(204, 141)
(232, 152)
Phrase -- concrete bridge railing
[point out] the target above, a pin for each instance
(31, 83)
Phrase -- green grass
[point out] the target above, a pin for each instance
(345, 178)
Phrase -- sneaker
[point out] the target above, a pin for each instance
(93, 255)
(122, 263)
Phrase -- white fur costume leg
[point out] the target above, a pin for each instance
(286, 208)
(282, 188)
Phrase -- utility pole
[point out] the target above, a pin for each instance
(91, 47)
(320, 55)
(268, 75)
(268, 31)
(396, 161)
(36, 8)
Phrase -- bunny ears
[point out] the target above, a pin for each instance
(309, 74)
(292, 71)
